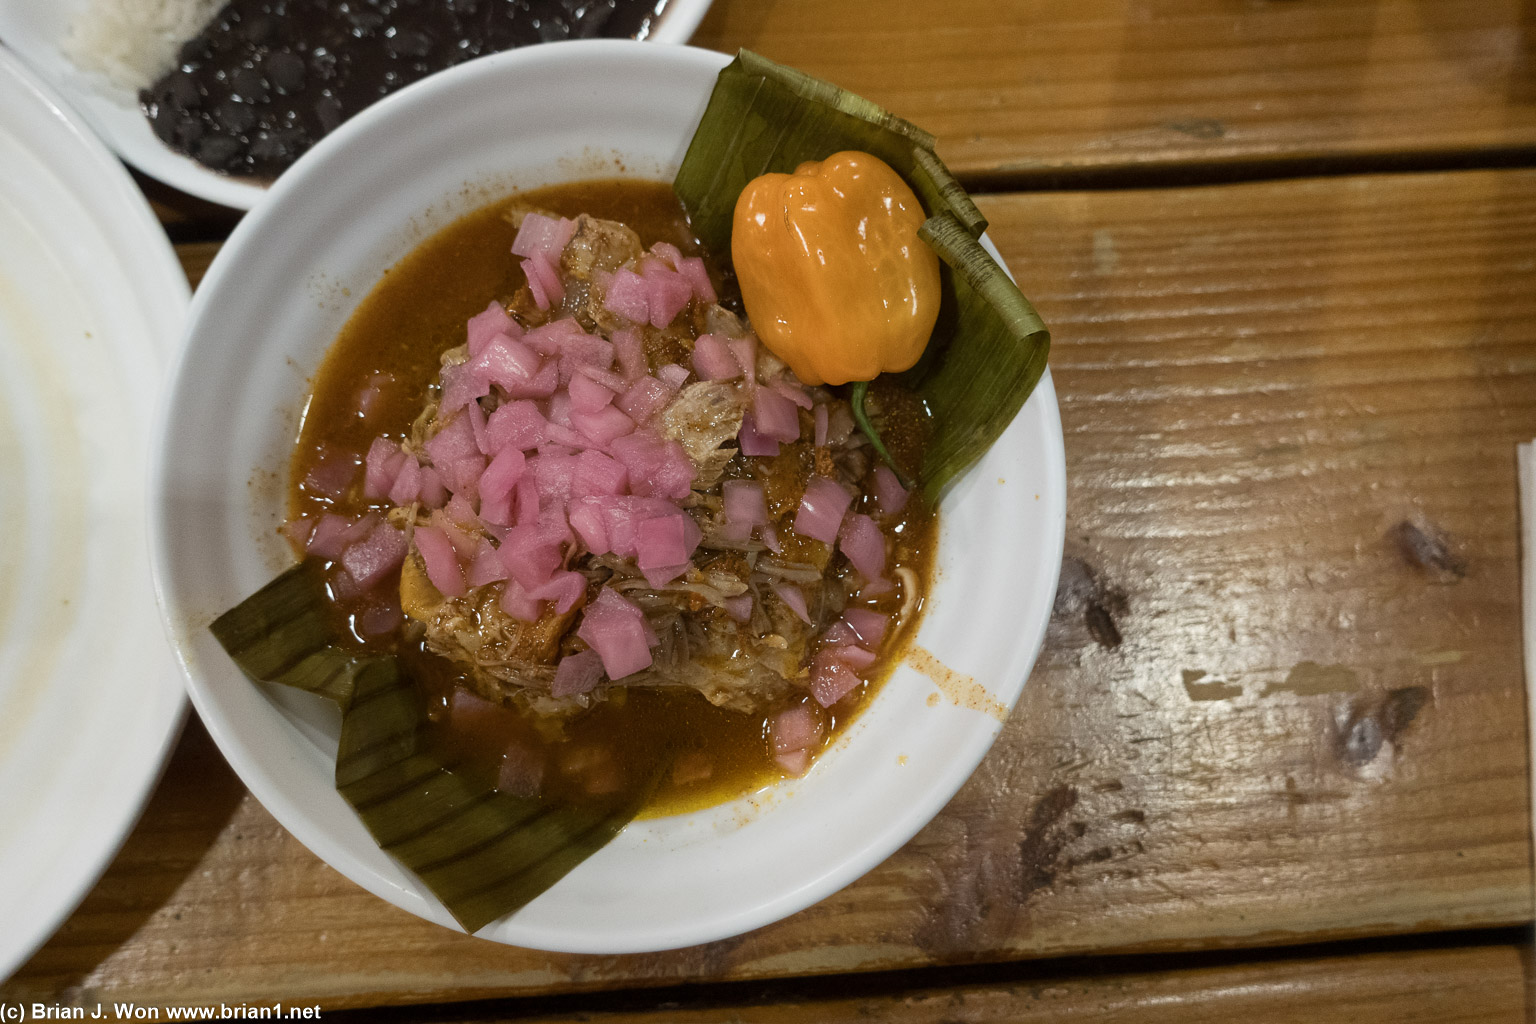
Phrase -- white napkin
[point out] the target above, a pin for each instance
(1525, 457)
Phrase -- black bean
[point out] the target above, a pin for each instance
(189, 130)
(408, 44)
(218, 151)
(181, 90)
(285, 70)
(260, 29)
(249, 85)
(235, 116)
(328, 110)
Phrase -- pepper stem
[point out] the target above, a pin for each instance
(856, 399)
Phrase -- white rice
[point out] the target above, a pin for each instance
(134, 42)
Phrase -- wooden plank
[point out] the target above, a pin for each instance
(1281, 699)
(1483, 984)
(1024, 88)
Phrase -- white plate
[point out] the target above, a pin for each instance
(34, 28)
(274, 299)
(91, 304)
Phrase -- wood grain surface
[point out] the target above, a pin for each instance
(1281, 699)
(1021, 89)
(1482, 984)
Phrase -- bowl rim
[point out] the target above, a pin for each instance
(269, 790)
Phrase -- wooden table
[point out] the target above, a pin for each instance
(1274, 760)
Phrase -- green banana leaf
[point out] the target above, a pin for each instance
(989, 347)
(482, 852)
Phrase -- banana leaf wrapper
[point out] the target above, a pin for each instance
(482, 852)
(989, 347)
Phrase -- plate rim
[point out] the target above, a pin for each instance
(124, 208)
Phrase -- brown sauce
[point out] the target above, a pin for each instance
(396, 335)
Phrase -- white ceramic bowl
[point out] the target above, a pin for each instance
(277, 295)
(35, 28)
(92, 302)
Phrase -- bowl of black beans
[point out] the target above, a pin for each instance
(217, 99)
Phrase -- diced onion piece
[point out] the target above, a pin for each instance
(486, 566)
(870, 626)
(476, 416)
(576, 673)
(660, 576)
(462, 476)
(370, 561)
(793, 391)
(509, 364)
(433, 493)
(669, 292)
(712, 358)
(516, 603)
(615, 628)
(794, 763)
(603, 426)
(796, 728)
(532, 553)
(666, 541)
(541, 234)
(461, 385)
(628, 296)
(861, 540)
(469, 712)
(332, 473)
(658, 467)
(442, 564)
(517, 424)
(745, 507)
(821, 510)
(587, 395)
(876, 587)
(645, 398)
(564, 589)
(668, 253)
(464, 543)
(298, 531)
(505, 470)
(596, 473)
(407, 485)
(751, 441)
(891, 496)
(819, 435)
(794, 599)
(745, 351)
(614, 382)
(380, 616)
(485, 326)
(535, 278)
(775, 416)
(856, 658)
(738, 607)
(694, 272)
(831, 680)
(522, 771)
(630, 351)
(382, 464)
(839, 633)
